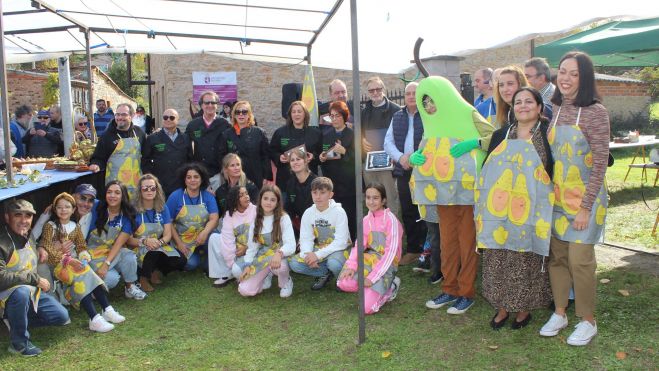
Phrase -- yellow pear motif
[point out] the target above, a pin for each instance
(125, 174)
(588, 159)
(140, 230)
(481, 245)
(422, 211)
(520, 203)
(542, 229)
(572, 190)
(566, 149)
(412, 183)
(600, 214)
(13, 260)
(430, 192)
(500, 148)
(429, 153)
(500, 235)
(540, 174)
(558, 181)
(552, 198)
(182, 213)
(477, 195)
(444, 164)
(561, 225)
(468, 181)
(79, 287)
(479, 223)
(120, 145)
(499, 195)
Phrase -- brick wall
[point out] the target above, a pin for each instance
(259, 83)
(25, 88)
(623, 99)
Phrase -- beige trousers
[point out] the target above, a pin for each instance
(573, 264)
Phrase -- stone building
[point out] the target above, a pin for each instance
(258, 82)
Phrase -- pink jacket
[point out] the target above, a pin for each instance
(381, 221)
(229, 223)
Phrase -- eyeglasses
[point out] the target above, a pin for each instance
(43, 117)
(87, 199)
(122, 114)
(376, 90)
(335, 116)
(149, 188)
(210, 102)
(242, 112)
(170, 118)
(82, 123)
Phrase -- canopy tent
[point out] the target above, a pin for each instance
(615, 44)
(273, 30)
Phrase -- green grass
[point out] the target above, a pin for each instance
(654, 111)
(629, 221)
(187, 324)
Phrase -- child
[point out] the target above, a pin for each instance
(383, 237)
(226, 250)
(71, 268)
(324, 236)
(298, 188)
(271, 241)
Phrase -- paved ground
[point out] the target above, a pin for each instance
(613, 257)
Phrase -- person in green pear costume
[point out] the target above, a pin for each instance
(445, 172)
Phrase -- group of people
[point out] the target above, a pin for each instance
(540, 194)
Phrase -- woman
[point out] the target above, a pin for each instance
(249, 142)
(298, 188)
(226, 110)
(295, 133)
(227, 249)
(232, 172)
(513, 213)
(82, 131)
(579, 140)
(111, 226)
(195, 214)
(153, 237)
(338, 161)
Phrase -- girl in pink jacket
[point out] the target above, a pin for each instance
(383, 235)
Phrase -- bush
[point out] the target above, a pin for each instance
(621, 126)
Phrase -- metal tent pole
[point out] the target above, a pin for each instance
(5, 102)
(90, 91)
(358, 167)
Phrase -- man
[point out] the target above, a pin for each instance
(55, 117)
(402, 139)
(537, 72)
(18, 127)
(102, 117)
(338, 92)
(144, 121)
(206, 133)
(165, 151)
(43, 140)
(482, 83)
(21, 288)
(120, 162)
(376, 117)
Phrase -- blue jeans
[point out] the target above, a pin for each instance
(334, 263)
(125, 266)
(20, 313)
(198, 259)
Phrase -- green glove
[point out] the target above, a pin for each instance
(417, 158)
(463, 147)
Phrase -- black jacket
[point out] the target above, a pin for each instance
(377, 119)
(47, 146)
(499, 135)
(287, 137)
(108, 142)
(341, 171)
(298, 196)
(252, 147)
(162, 157)
(207, 142)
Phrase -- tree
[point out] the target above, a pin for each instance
(650, 75)
(118, 72)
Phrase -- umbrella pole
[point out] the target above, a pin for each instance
(5, 102)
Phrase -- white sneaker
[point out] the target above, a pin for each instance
(555, 324)
(267, 283)
(583, 333)
(222, 281)
(396, 287)
(6, 321)
(112, 315)
(287, 290)
(99, 324)
(134, 292)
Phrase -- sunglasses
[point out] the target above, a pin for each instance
(149, 188)
(82, 123)
(242, 112)
(43, 117)
(87, 199)
(210, 102)
(170, 118)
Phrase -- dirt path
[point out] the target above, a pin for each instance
(612, 257)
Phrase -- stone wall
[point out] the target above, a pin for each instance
(259, 83)
(105, 88)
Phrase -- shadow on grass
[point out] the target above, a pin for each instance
(632, 195)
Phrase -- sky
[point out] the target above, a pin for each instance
(388, 28)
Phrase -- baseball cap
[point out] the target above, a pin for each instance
(85, 189)
(19, 206)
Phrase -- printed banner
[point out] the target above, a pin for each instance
(224, 84)
(309, 96)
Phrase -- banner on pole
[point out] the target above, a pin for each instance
(309, 96)
(224, 84)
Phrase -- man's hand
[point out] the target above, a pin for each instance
(41, 133)
(311, 260)
(283, 158)
(404, 161)
(43, 284)
(94, 168)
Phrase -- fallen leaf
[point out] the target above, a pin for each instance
(638, 349)
(493, 347)
(147, 362)
(386, 354)
(605, 280)
(624, 292)
(621, 355)
(562, 339)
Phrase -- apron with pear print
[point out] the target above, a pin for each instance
(263, 257)
(373, 252)
(155, 230)
(23, 260)
(99, 245)
(190, 221)
(323, 236)
(240, 233)
(573, 163)
(514, 199)
(124, 164)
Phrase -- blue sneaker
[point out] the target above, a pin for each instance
(441, 301)
(461, 305)
(29, 351)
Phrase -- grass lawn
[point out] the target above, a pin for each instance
(629, 221)
(187, 324)
(654, 111)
